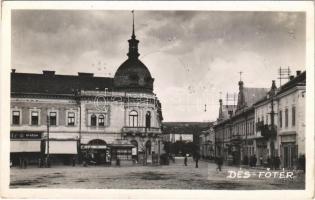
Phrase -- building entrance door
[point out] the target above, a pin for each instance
(289, 157)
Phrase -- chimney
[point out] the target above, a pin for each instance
(13, 71)
(291, 78)
(298, 73)
(85, 75)
(48, 73)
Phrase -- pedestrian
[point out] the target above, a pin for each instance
(268, 162)
(25, 163)
(251, 162)
(261, 160)
(254, 160)
(197, 159)
(185, 160)
(39, 163)
(73, 161)
(277, 162)
(220, 163)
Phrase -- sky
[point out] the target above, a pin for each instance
(194, 56)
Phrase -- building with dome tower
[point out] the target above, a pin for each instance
(101, 119)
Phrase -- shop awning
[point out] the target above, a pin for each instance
(62, 147)
(87, 146)
(121, 146)
(19, 146)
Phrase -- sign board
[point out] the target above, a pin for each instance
(134, 151)
(25, 135)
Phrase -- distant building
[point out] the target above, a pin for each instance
(266, 123)
(234, 136)
(291, 116)
(206, 143)
(183, 131)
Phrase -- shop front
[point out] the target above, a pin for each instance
(60, 151)
(25, 148)
(96, 154)
(288, 151)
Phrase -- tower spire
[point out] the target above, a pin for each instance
(133, 42)
(133, 24)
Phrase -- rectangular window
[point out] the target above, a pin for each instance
(71, 118)
(293, 116)
(16, 117)
(286, 117)
(53, 118)
(34, 117)
(280, 118)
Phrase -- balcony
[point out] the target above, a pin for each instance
(141, 131)
(266, 130)
(236, 138)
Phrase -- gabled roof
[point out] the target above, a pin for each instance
(49, 83)
(252, 95)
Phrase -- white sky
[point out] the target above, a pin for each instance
(192, 55)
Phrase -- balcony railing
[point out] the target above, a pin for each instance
(141, 131)
(266, 130)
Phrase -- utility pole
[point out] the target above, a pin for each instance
(47, 158)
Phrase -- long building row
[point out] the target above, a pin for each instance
(268, 124)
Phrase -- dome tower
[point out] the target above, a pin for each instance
(133, 75)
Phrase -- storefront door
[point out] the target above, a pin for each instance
(289, 156)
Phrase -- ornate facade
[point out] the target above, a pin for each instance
(102, 118)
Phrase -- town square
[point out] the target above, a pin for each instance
(165, 99)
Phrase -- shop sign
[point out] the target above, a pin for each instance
(25, 135)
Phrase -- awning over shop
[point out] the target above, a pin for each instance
(19, 146)
(121, 146)
(87, 146)
(62, 147)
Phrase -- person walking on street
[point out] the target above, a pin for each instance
(219, 161)
(185, 160)
(197, 159)
(254, 160)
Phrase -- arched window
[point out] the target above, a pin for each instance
(133, 118)
(148, 120)
(101, 120)
(93, 120)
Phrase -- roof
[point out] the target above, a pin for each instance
(252, 95)
(226, 109)
(133, 75)
(50, 83)
(299, 80)
(185, 127)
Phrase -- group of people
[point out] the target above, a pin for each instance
(195, 157)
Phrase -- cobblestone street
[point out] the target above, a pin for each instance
(173, 176)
